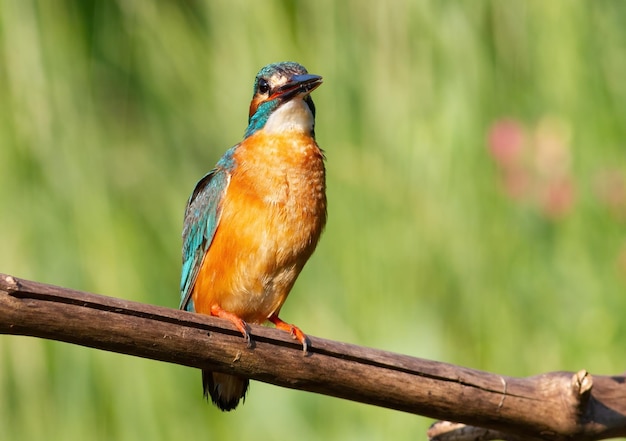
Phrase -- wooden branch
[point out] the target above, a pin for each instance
(554, 406)
(447, 431)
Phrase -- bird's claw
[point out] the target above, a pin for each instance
(246, 337)
(295, 332)
(305, 345)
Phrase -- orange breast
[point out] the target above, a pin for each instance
(273, 214)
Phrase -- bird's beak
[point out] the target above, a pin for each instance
(298, 85)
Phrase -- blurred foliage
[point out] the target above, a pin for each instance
(476, 181)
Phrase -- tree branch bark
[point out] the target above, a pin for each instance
(553, 406)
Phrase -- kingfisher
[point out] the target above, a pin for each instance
(253, 221)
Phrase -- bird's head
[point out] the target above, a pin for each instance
(282, 101)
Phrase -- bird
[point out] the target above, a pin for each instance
(253, 221)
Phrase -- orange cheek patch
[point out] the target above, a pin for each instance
(254, 105)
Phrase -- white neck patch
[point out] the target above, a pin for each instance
(293, 116)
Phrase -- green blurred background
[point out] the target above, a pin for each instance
(476, 186)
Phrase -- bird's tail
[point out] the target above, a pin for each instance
(225, 390)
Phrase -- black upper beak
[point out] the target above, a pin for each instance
(299, 85)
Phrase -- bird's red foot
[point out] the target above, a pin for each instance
(239, 323)
(292, 329)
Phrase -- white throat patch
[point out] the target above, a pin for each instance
(293, 116)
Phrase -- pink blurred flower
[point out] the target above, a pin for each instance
(558, 198)
(506, 142)
(535, 168)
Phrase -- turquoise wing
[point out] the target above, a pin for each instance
(202, 217)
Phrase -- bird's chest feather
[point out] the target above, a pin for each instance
(273, 214)
(279, 182)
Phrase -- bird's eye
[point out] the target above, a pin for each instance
(264, 87)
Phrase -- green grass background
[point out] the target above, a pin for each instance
(110, 111)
